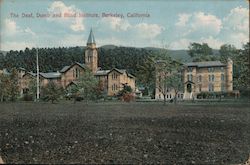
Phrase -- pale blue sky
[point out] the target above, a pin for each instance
(172, 24)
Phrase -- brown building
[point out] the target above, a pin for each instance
(209, 76)
(113, 80)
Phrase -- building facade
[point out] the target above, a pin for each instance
(112, 80)
(198, 77)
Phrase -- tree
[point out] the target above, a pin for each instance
(174, 82)
(146, 74)
(227, 51)
(4, 82)
(87, 85)
(200, 52)
(243, 63)
(168, 77)
(51, 92)
(13, 85)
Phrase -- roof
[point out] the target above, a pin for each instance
(119, 70)
(50, 75)
(30, 73)
(205, 64)
(91, 39)
(102, 72)
(65, 68)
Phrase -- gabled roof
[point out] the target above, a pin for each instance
(51, 75)
(91, 39)
(122, 71)
(65, 68)
(118, 70)
(205, 64)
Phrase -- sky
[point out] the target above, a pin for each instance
(171, 24)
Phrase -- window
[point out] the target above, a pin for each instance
(211, 77)
(114, 87)
(190, 69)
(210, 87)
(89, 58)
(114, 76)
(77, 73)
(170, 96)
(222, 87)
(210, 69)
(190, 77)
(199, 78)
(222, 69)
(200, 87)
(222, 77)
(167, 96)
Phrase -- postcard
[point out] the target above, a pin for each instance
(124, 82)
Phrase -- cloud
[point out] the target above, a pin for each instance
(183, 43)
(236, 26)
(198, 24)
(74, 23)
(215, 43)
(117, 24)
(10, 26)
(148, 31)
(11, 29)
(183, 19)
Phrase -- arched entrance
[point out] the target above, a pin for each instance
(189, 87)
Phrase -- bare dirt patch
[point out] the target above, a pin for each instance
(124, 133)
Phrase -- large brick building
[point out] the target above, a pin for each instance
(209, 76)
(113, 80)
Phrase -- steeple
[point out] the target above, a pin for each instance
(91, 57)
(91, 39)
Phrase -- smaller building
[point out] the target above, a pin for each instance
(198, 77)
(211, 76)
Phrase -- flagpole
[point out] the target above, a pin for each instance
(37, 76)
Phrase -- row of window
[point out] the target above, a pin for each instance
(210, 77)
(211, 87)
(210, 69)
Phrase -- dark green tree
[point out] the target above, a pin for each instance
(51, 92)
(228, 51)
(201, 52)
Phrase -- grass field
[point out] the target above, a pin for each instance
(124, 133)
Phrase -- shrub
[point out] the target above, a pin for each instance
(127, 97)
(27, 97)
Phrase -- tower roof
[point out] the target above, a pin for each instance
(91, 39)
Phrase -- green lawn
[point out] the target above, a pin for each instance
(125, 133)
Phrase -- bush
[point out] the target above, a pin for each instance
(127, 97)
(27, 97)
